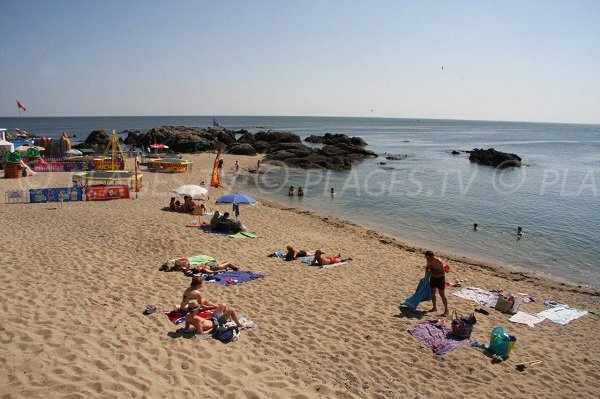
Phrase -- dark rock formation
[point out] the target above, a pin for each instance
(275, 137)
(338, 152)
(98, 138)
(240, 149)
(338, 157)
(494, 158)
(335, 139)
(398, 157)
(455, 152)
(132, 138)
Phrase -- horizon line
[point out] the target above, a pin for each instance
(303, 116)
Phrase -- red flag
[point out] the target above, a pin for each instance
(21, 106)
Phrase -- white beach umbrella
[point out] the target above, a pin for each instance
(196, 192)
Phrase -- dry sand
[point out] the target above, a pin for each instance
(76, 280)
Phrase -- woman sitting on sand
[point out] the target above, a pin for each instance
(172, 205)
(214, 267)
(192, 293)
(292, 254)
(214, 221)
(320, 260)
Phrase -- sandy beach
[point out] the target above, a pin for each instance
(78, 277)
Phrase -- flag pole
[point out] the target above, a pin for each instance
(135, 160)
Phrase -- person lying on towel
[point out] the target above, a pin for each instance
(221, 315)
(292, 254)
(215, 267)
(320, 260)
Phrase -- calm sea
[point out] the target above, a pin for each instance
(432, 198)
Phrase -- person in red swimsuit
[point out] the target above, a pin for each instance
(320, 260)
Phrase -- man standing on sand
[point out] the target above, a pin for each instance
(437, 280)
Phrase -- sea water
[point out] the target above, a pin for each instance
(431, 197)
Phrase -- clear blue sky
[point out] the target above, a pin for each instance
(502, 60)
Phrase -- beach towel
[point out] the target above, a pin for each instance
(277, 254)
(526, 318)
(422, 294)
(177, 316)
(232, 277)
(562, 314)
(435, 335)
(207, 229)
(308, 259)
(478, 295)
(197, 260)
(244, 234)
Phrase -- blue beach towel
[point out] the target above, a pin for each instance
(422, 294)
(232, 277)
(207, 229)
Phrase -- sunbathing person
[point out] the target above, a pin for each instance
(214, 267)
(221, 315)
(172, 205)
(192, 293)
(292, 254)
(320, 260)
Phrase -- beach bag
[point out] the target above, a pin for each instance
(182, 264)
(501, 343)
(502, 305)
(226, 334)
(462, 326)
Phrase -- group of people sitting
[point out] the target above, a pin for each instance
(193, 304)
(319, 258)
(222, 223)
(188, 206)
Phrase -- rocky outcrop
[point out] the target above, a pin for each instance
(397, 157)
(338, 152)
(494, 158)
(275, 137)
(240, 149)
(335, 139)
(98, 138)
(337, 157)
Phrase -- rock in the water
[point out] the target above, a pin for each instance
(455, 152)
(398, 157)
(335, 139)
(273, 137)
(494, 158)
(240, 149)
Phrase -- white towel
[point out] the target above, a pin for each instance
(562, 314)
(478, 295)
(526, 318)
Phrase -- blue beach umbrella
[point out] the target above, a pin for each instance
(236, 199)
